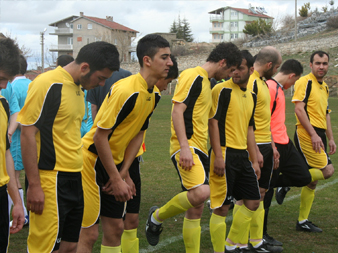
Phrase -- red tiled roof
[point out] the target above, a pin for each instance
(247, 12)
(111, 24)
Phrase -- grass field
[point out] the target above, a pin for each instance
(160, 182)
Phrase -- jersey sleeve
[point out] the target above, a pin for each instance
(120, 105)
(220, 100)
(42, 100)
(302, 90)
(188, 88)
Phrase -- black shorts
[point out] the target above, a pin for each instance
(110, 207)
(133, 205)
(292, 170)
(4, 219)
(266, 170)
(240, 176)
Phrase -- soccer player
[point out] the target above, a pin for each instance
(19, 90)
(188, 145)
(129, 240)
(266, 64)
(231, 129)
(112, 144)
(312, 127)
(9, 67)
(51, 146)
(292, 170)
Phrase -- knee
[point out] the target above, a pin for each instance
(328, 171)
(199, 195)
(88, 236)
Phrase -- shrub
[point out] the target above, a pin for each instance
(332, 22)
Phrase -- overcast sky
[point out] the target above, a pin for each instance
(25, 19)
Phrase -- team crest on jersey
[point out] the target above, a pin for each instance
(78, 93)
(244, 96)
(148, 98)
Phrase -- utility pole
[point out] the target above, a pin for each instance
(42, 50)
(296, 20)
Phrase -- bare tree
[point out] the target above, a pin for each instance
(26, 52)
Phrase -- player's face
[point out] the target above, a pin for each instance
(162, 84)
(291, 81)
(319, 66)
(92, 80)
(161, 63)
(241, 74)
(224, 73)
(4, 78)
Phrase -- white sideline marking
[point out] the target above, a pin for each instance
(204, 228)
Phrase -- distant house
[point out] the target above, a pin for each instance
(76, 31)
(228, 22)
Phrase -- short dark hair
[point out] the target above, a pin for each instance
(291, 66)
(227, 51)
(320, 53)
(267, 54)
(99, 55)
(9, 57)
(64, 60)
(173, 70)
(23, 65)
(149, 45)
(248, 57)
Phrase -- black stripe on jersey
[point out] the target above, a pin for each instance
(190, 101)
(6, 108)
(307, 95)
(255, 87)
(45, 125)
(252, 120)
(146, 123)
(126, 109)
(221, 114)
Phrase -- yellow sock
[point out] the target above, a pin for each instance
(316, 174)
(234, 211)
(129, 241)
(108, 249)
(306, 199)
(217, 232)
(256, 225)
(192, 235)
(239, 231)
(176, 205)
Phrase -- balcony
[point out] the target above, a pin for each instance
(61, 47)
(217, 18)
(219, 30)
(62, 31)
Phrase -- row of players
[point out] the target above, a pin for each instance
(51, 119)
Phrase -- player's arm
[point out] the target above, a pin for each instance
(13, 125)
(219, 163)
(35, 194)
(275, 155)
(115, 185)
(317, 143)
(186, 159)
(252, 148)
(94, 111)
(129, 156)
(329, 134)
(17, 212)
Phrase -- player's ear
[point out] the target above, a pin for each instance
(85, 68)
(147, 60)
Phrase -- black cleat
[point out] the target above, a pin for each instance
(308, 226)
(153, 231)
(281, 193)
(271, 241)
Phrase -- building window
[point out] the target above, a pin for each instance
(87, 40)
(115, 42)
(70, 41)
(90, 26)
(234, 13)
(215, 36)
(79, 26)
(221, 37)
(218, 24)
(98, 39)
(71, 26)
(234, 36)
(215, 25)
(222, 25)
(234, 24)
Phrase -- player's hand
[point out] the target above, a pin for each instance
(35, 199)
(332, 146)
(186, 159)
(257, 170)
(276, 157)
(260, 159)
(317, 143)
(18, 219)
(131, 184)
(119, 188)
(219, 166)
